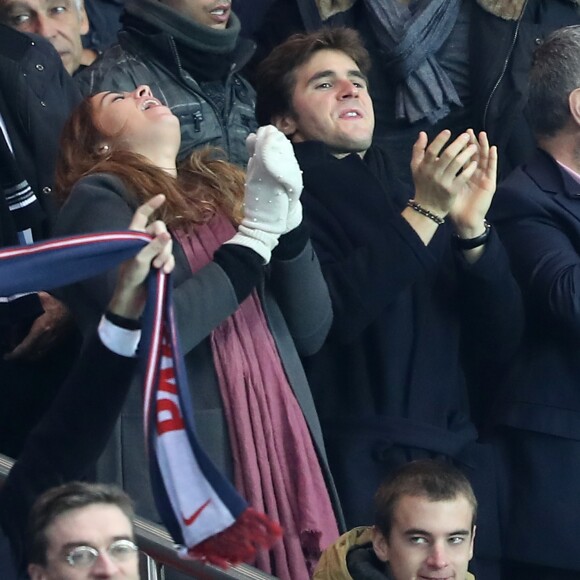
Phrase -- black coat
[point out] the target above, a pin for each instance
(537, 212)
(37, 96)
(389, 384)
(65, 444)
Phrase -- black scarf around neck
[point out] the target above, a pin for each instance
(363, 564)
(205, 53)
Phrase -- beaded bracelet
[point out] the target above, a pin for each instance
(470, 243)
(428, 214)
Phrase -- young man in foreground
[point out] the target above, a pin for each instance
(425, 528)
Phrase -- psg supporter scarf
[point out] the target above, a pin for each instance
(199, 507)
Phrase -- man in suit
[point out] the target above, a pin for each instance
(37, 346)
(537, 213)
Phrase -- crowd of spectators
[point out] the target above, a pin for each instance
(358, 307)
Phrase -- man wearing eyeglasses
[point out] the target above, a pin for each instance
(82, 530)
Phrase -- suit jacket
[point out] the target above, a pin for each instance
(537, 212)
(65, 444)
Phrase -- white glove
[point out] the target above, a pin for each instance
(272, 172)
(283, 170)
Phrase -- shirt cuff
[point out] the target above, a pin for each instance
(119, 340)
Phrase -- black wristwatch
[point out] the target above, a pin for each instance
(471, 243)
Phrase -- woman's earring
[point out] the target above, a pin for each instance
(104, 149)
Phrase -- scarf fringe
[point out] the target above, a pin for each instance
(310, 542)
(239, 543)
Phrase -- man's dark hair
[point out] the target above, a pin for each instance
(64, 498)
(431, 479)
(275, 78)
(555, 73)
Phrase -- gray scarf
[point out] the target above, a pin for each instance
(409, 39)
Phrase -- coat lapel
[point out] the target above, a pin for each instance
(551, 178)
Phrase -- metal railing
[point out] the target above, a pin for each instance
(156, 543)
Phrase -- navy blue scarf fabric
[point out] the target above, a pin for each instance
(201, 509)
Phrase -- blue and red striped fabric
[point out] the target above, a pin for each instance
(199, 506)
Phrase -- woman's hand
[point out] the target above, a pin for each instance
(272, 196)
(130, 292)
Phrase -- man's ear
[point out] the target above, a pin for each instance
(380, 545)
(472, 542)
(36, 572)
(84, 19)
(286, 124)
(574, 104)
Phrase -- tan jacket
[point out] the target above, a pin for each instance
(332, 564)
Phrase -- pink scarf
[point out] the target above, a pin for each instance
(275, 464)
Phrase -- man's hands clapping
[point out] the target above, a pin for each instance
(456, 181)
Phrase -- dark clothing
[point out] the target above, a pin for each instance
(537, 213)
(67, 441)
(487, 56)
(351, 557)
(191, 68)
(388, 384)
(7, 564)
(250, 14)
(28, 388)
(526, 571)
(104, 23)
(36, 96)
(363, 564)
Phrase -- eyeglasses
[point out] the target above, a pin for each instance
(86, 556)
